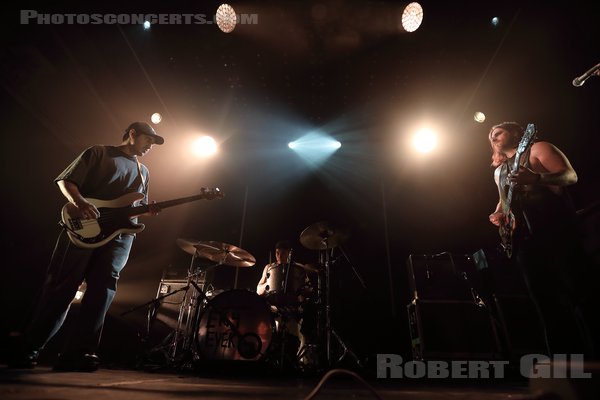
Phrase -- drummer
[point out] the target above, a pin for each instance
(272, 279)
(287, 297)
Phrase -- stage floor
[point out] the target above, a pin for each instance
(43, 383)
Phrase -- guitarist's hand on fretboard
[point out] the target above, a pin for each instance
(524, 176)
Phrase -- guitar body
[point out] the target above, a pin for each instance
(507, 228)
(114, 220)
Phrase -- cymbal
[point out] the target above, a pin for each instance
(323, 235)
(307, 267)
(188, 245)
(223, 253)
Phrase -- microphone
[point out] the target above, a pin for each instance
(580, 80)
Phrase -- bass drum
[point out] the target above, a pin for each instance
(235, 325)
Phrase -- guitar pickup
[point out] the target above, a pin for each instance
(75, 224)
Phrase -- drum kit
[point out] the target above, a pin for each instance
(239, 325)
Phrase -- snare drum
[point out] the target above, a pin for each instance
(248, 334)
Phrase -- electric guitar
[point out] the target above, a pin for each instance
(115, 217)
(508, 225)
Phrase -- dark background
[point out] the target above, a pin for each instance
(339, 67)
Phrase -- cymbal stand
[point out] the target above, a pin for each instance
(329, 331)
(189, 311)
(169, 346)
(360, 279)
(152, 308)
(185, 311)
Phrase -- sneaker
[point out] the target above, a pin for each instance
(77, 363)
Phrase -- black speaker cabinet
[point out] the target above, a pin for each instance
(452, 330)
(443, 276)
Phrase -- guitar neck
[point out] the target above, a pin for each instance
(509, 195)
(138, 210)
(183, 200)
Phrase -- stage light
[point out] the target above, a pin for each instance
(412, 17)
(205, 146)
(424, 141)
(226, 18)
(156, 118)
(315, 147)
(495, 21)
(479, 117)
(147, 25)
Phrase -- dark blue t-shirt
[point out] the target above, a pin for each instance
(106, 173)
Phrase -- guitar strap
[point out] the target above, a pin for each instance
(139, 165)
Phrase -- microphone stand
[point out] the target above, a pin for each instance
(580, 80)
(329, 331)
(284, 317)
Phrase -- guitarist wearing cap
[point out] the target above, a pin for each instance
(99, 172)
(537, 224)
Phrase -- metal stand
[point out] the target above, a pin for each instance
(188, 313)
(329, 330)
(166, 344)
(178, 346)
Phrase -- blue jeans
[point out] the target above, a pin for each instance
(69, 267)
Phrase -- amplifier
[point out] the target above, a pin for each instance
(443, 276)
(174, 292)
(168, 311)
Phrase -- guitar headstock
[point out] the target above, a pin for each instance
(527, 139)
(210, 194)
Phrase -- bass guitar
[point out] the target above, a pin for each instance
(508, 225)
(116, 217)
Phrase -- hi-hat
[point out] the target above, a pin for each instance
(307, 267)
(323, 235)
(188, 245)
(225, 253)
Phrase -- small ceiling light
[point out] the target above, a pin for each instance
(479, 117)
(147, 24)
(156, 118)
(412, 16)
(495, 21)
(226, 18)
